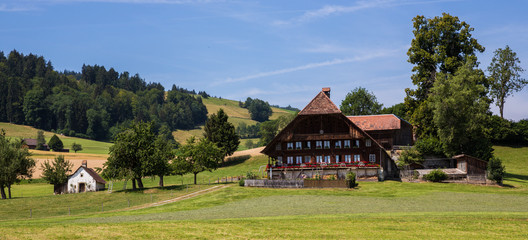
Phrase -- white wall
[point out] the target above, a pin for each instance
(81, 176)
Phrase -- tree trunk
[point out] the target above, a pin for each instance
(124, 184)
(133, 184)
(501, 108)
(9, 190)
(3, 192)
(195, 178)
(161, 180)
(140, 183)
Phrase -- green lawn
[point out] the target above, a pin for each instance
(22, 131)
(374, 210)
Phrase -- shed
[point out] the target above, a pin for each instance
(470, 165)
(85, 179)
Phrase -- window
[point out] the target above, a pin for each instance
(318, 144)
(319, 159)
(338, 144)
(337, 158)
(279, 161)
(298, 160)
(357, 143)
(372, 158)
(357, 158)
(368, 143)
(298, 145)
(307, 159)
(290, 160)
(327, 159)
(326, 144)
(290, 145)
(278, 146)
(347, 144)
(348, 158)
(308, 145)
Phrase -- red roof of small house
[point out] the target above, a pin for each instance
(377, 122)
(320, 104)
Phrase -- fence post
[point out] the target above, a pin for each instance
(150, 198)
(102, 207)
(128, 202)
(30, 213)
(69, 211)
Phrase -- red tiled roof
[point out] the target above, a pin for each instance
(376, 122)
(320, 104)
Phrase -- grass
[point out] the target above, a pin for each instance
(389, 210)
(242, 145)
(89, 146)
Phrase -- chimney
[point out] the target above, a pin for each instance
(84, 163)
(326, 90)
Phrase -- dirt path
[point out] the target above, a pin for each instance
(186, 196)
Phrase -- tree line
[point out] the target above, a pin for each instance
(95, 103)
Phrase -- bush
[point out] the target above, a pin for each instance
(351, 179)
(436, 175)
(55, 143)
(251, 175)
(495, 170)
(241, 182)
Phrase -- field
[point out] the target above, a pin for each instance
(387, 210)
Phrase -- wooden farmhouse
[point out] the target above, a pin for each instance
(320, 140)
(31, 143)
(85, 179)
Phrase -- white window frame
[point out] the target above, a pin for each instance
(357, 158)
(290, 160)
(298, 160)
(308, 145)
(368, 143)
(319, 159)
(357, 143)
(327, 159)
(289, 146)
(347, 144)
(372, 158)
(338, 144)
(348, 158)
(327, 144)
(298, 145)
(279, 160)
(318, 144)
(337, 158)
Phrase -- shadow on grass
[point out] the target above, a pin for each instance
(516, 177)
(231, 161)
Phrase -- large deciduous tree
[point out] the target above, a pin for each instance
(440, 45)
(198, 156)
(505, 75)
(360, 102)
(221, 132)
(15, 163)
(461, 108)
(55, 143)
(56, 173)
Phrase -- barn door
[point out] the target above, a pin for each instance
(82, 187)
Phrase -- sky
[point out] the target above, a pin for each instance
(283, 52)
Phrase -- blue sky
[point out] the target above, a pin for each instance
(283, 52)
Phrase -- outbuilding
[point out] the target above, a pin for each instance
(85, 179)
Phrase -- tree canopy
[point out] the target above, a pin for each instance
(440, 45)
(198, 156)
(221, 132)
(505, 75)
(360, 102)
(259, 110)
(55, 143)
(15, 163)
(56, 173)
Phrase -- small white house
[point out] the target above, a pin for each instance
(85, 179)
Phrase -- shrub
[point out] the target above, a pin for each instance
(495, 170)
(55, 143)
(436, 175)
(351, 179)
(251, 175)
(241, 182)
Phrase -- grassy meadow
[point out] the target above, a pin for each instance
(387, 210)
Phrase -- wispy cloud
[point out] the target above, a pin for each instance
(359, 5)
(372, 55)
(32, 5)
(15, 8)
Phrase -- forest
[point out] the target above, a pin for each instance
(95, 103)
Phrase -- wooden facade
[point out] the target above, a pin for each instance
(321, 136)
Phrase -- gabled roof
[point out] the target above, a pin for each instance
(320, 104)
(92, 173)
(30, 141)
(377, 122)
